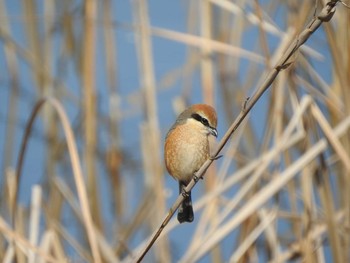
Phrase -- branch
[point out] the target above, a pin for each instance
(284, 62)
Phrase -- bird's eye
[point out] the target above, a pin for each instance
(205, 122)
(199, 118)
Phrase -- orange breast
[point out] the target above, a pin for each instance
(185, 152)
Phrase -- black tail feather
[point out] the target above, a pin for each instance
(185, 212)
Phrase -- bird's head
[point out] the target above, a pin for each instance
(203, 118)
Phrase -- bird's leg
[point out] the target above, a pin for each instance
(184, 193)
(196, 177)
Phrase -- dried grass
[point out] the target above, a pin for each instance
(293, 170)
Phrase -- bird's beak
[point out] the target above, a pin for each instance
(214, 132)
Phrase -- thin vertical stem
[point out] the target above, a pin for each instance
(89, 105)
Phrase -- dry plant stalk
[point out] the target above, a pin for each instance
(249, 201)
(77, 171)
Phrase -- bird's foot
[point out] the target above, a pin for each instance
(196, 177)
(185, 193)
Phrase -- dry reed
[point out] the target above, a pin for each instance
(288, 162)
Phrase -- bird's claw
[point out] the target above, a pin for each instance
(196, 178)
(185, 193)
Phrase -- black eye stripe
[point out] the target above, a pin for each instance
(199, 118)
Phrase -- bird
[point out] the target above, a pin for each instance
(186, 148)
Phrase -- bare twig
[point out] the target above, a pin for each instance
(344, 4)
(324, 16)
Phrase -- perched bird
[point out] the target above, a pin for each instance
(187, 148)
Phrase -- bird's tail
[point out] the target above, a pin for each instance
(185, 212)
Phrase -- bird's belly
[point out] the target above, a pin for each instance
(191, 159)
